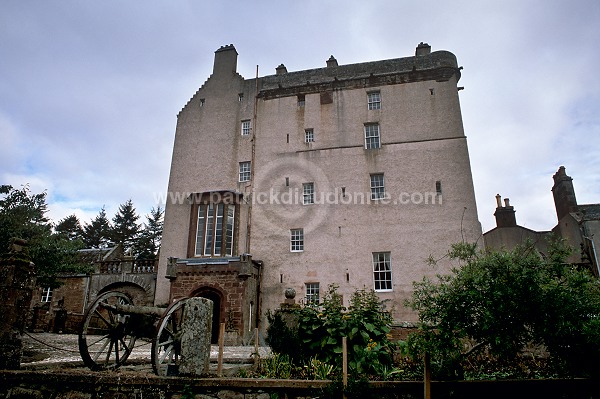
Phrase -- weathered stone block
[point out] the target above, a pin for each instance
(196, 333)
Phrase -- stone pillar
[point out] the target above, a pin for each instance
(196, 327)
(17, 281)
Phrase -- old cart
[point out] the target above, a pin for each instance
(112, 324)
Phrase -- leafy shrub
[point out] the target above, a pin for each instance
(276, 366)
(318, 331)
(504, 302)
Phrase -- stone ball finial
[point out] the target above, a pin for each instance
(290, 293)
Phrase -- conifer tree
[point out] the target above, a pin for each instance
(97, 233)
(148, 244)
(125, 229)
(70, 228)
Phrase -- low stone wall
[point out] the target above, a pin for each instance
(78, 384)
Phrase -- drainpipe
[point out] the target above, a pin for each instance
(252, 163)
(595, 260)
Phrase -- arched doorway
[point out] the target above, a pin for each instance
(214, 296)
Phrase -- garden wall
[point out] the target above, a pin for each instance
(20, 384)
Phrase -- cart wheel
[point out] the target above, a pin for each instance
(104, 340)
(166, 345)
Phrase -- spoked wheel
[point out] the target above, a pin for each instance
(166, 345)
(105, 341)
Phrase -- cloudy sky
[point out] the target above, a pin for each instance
(90, 90)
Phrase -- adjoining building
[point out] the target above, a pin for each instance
(578, 225)
(352, 175)
(62, 309)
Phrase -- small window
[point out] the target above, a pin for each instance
(47, 294)
(246, 127)
(372, 136)
(297, 240)
(202, 101)
(382, 271)
(308, 193)
(309, 136)
(240, 97)
(377, 187)
(374, 100)
(312, 294)
(438, 187)
(244, 171)
(301, 100)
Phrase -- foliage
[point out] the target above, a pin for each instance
(276, 366)
(318, 333)
(22, 215)
(97, 233)
(319, 370)
(499, 303)
(125, 229)
(148, 243)
(69, 228)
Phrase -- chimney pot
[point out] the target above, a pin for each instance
(281, 69)
(505, 215)
(423, 49)
(498, 201)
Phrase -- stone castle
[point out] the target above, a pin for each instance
(350, 175)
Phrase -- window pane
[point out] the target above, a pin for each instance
(244, 171)
(230, 226)
(297, 240)
(219, 230)
(246, 128)
(377, 187)
(308, 193)
(382, 271)
(208, 243)
(309, 136)
(374, 100)
(372, 136)
(47, 294)
(301, 100)
(200, 230)
(312, 293)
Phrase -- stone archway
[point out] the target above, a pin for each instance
(218, 304)
(138, 294)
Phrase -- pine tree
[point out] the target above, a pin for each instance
(125, 229)
(69, 228)
(97, 233)
(148, 243)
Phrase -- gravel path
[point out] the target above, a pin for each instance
(47, 349)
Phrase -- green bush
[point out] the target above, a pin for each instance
(503, 302)
(319, 329)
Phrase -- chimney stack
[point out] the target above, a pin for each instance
(564, 193)
(281, 69)
(332, 62)
(505, 215)
(423, 49)
(225, 60)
